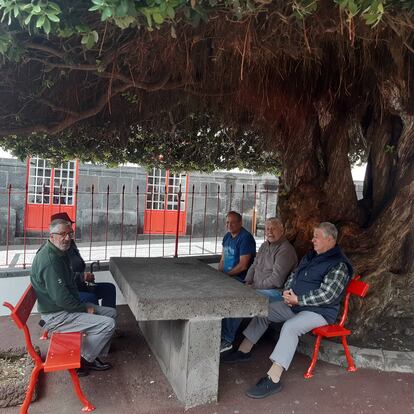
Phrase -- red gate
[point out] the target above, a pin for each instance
(49, 190)
(161, 208)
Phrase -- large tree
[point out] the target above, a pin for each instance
(301, 87)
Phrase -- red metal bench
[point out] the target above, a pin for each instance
(355, 287)
(63, 352)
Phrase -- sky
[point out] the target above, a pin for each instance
(358, 173)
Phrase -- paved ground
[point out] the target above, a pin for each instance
(137, 385)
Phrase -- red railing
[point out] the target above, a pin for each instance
(205, 223)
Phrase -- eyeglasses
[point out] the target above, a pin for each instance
(64, 234)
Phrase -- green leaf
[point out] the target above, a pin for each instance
(55, 7)
(40, 21)
(106, 14)
(16, 11)
(95, 8)
(122, 9)
(170, 12)
(46, 26)
(158, 18)
(27, 19)
(53, 18)
(95, 36)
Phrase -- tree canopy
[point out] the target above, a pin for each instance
(204, 75)
(299, 86)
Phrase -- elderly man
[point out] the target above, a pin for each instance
(312, 297)
(59, 304)
(89, 290)
(273, 263)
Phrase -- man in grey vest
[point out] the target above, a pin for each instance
(311, 298)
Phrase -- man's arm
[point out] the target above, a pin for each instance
(331, 288)
(221, 263)
(250, 273)
(284, 261)
(241, 266)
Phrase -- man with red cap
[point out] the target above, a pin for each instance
(89, 291)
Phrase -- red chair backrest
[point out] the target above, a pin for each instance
(355, 287)
(21, 312)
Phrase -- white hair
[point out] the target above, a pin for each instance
(328, 229)
(276, 221)
(56, 223)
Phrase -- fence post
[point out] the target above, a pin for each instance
(91, 225)
(137, 229)
(254, 229)
(76, 208)
(178, 222)
(8, 224)
(204, 217)
(217, 216)
(242, 202)
(191, 220)
(122, 218)
(25, 224)
(107, 221)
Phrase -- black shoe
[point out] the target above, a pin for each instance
(82, 372)
(236, 356)
(96, 365)
(264, 388)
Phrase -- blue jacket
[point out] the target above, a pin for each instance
(310, 274)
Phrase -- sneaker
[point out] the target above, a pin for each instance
(264, 388)
(236, 356)
(225, 346)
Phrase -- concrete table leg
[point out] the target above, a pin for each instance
(188, 352)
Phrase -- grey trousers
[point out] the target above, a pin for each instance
(98, 328)
(296, 324)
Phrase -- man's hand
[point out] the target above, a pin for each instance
(90, 309)
(290, 298)
(221, 266)
(89, 277)
(249, 285)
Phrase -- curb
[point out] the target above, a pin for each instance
(380, 359)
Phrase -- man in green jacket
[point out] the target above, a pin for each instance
(59, 303)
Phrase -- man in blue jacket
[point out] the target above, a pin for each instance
(312, 296)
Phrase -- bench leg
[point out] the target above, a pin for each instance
(351, 365)
(29, 393)
(309, 372)
(87, 406)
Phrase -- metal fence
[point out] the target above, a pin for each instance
(206, 207)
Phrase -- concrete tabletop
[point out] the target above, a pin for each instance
(182, 288)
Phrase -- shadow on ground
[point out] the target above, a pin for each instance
(137, 385)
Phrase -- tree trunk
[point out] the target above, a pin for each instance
(377, 233)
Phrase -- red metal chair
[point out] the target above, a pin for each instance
(63, 353)
(355, 287)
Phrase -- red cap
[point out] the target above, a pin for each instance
(61, 216)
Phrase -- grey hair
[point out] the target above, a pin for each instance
(328, 229)
(276, 221)
(56, 223)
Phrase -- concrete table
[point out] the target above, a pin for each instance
(179, 304)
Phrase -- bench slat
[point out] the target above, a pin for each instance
(64, 351)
